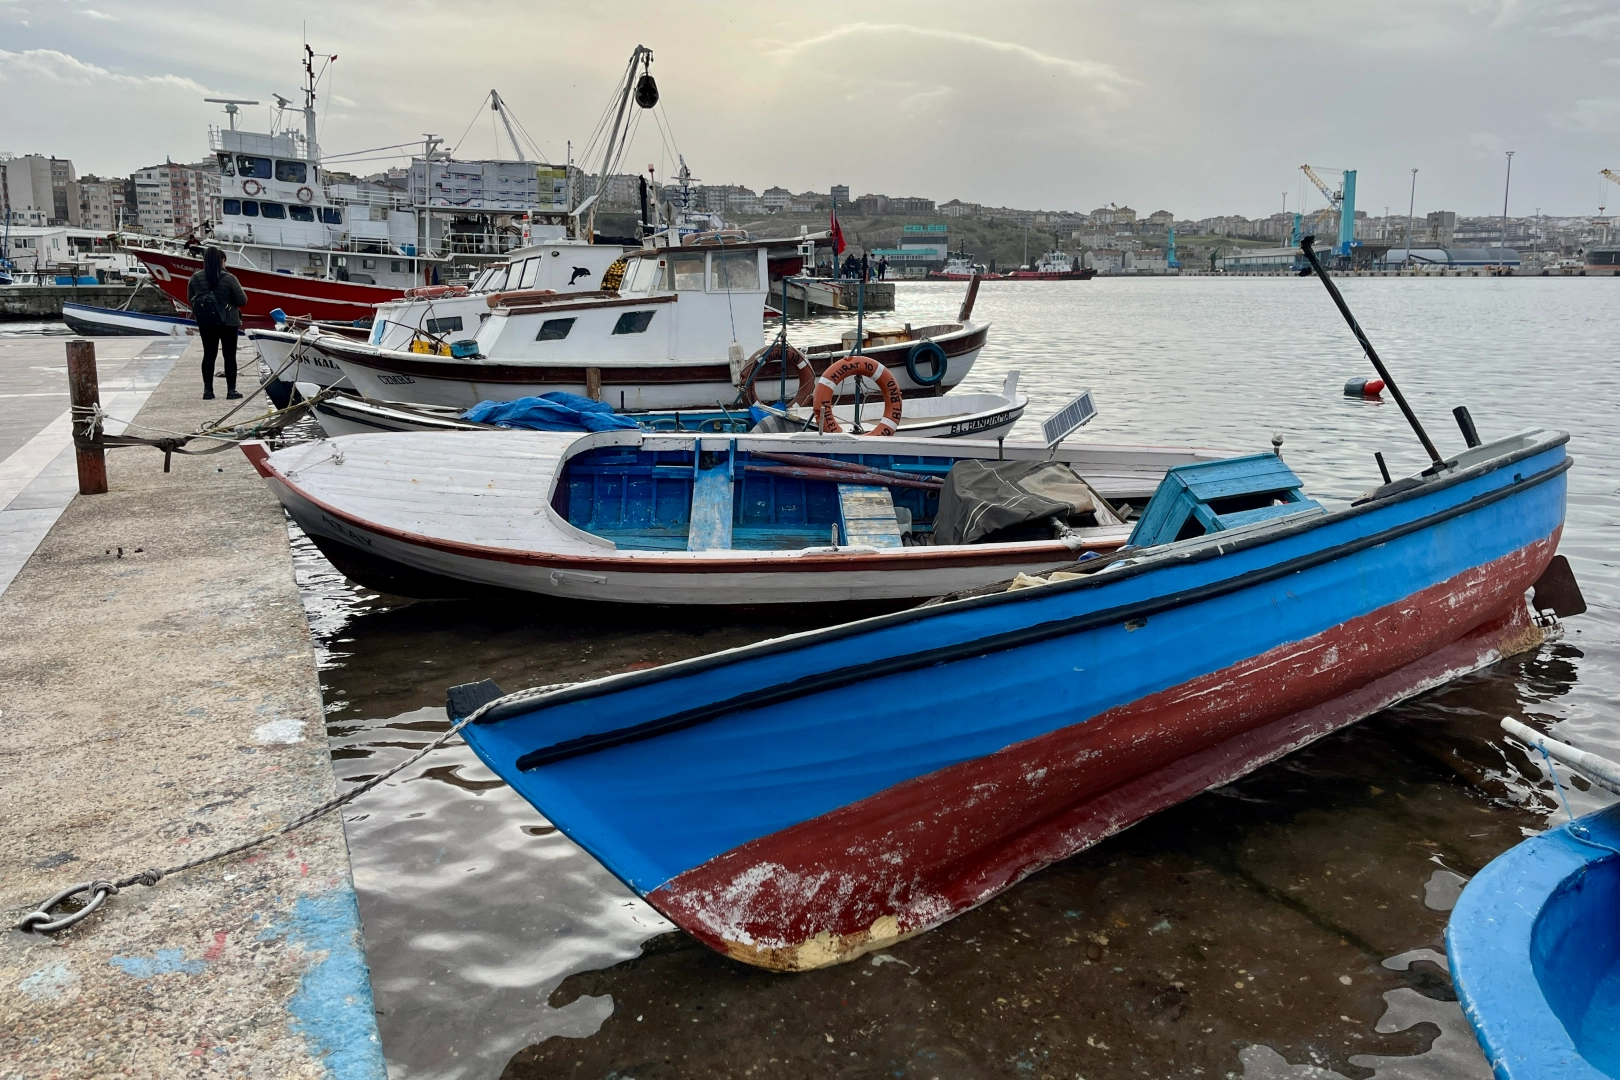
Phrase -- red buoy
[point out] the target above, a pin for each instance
(1363, 387)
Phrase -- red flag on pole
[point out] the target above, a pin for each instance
(838, 244)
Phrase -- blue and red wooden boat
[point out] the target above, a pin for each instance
(801, 801)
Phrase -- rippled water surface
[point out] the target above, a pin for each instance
(1288, 925)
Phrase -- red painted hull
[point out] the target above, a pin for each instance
(911, 857)
(299, 297)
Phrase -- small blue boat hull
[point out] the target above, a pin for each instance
(1534, 945)
(796, 803)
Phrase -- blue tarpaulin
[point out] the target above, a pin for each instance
(549, 412)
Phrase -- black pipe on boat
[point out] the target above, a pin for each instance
(1466, 423)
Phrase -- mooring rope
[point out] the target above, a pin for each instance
(41, 921)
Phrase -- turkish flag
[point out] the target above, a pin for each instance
(837, 236)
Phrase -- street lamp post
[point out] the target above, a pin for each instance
(1501, 254)
(1410, 205)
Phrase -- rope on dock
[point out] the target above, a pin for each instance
(42, 921)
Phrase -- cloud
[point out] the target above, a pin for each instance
(1591, 116)
(1102, 77)
(138, 118)
(94, 14)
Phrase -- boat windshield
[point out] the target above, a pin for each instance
(736, 271)
(643, 276)
(685, 273)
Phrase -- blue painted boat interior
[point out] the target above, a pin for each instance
(643, 499)
(1575, 953)
(705, 789)
(1534, 948)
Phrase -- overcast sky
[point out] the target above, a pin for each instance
(1196, 106)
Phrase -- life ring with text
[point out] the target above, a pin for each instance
(251, 187)
(866, 367)
(793, 359)
(930, 352)
(305, 195)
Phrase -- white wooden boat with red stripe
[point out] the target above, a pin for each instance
(677, 519)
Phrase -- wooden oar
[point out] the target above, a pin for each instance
(839, 476)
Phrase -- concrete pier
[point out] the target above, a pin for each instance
(159, 700)
(45, 301)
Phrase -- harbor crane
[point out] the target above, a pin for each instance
(1341, 202)
(1611, 175)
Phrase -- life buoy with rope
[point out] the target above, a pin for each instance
(866, 367)
(931, 352)
(793, 358)
(251, 187)
(305, 195)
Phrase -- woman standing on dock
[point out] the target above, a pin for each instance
(216, 299)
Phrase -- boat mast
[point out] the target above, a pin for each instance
(636, 58)
(311, 149)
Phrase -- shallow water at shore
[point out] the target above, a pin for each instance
(1261, 930)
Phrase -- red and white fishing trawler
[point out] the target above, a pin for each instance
(961, 267)
(1055, 266)
(291, 243)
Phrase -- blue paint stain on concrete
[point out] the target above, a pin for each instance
(332, 1008)
(162, 962)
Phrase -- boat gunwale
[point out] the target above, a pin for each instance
(516, 704)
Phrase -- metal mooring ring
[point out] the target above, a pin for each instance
(42, 922)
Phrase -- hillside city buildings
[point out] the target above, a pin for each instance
(176, 200)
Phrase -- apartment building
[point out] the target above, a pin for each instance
(174, 200)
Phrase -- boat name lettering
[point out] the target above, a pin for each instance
(979, 423)
(344, 531)
(396, 380)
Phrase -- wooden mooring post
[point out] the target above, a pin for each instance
(84, 394)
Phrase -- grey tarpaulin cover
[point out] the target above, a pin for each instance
(984, 497)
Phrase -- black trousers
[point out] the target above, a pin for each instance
(217, 339)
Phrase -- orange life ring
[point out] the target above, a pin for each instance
(251, 187)
(794, 359)
(432, 292)
(305, 195)
(827, 393)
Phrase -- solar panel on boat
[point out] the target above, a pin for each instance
(1060, 425)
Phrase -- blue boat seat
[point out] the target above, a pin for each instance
(712, 490)
(1213, 496)
(866, 516)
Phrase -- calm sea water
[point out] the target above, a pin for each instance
(1306, 877)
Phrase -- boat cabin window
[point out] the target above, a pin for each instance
(643, 276)
(736, 271)
(301, 213)
(531, 270)
(398, 266)
(272, 210)
(292, 172)
(685, 274)
(481, 284)
(444, 326)
(557, 329)
(633, 322)
(257, 167)
(331, 215)
(225, 167)
(497, 279)
(249, 208)
(233, 207)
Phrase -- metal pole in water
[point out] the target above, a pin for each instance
(84, 394)
(1305, 246)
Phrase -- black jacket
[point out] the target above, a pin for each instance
(228, 298)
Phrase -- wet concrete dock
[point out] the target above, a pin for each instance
(158, 700)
